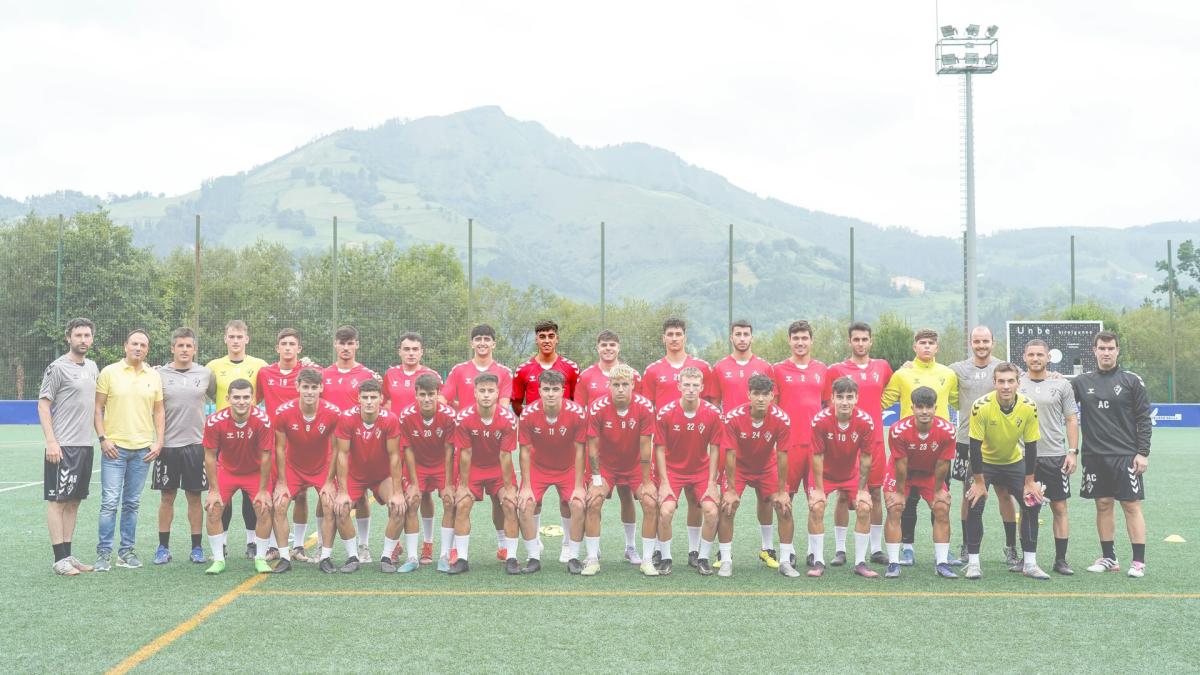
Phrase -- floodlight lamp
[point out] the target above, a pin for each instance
(949, 31)
(949, 59)
(973, 30)
(991, 59)
(992, 30)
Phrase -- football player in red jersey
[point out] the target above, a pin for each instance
(841, 462)
(486, 437)
(871, 376)
(552, 434)
(459, 390)
(237, 442)
(368, 458)
(399, 383)
(922, 448)
(428, 428)
(687, 436)
(304, 430)
(620, 452)
(593, 381)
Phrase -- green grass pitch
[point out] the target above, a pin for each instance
(486, 621)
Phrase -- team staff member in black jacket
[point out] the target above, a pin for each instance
(1115, 416)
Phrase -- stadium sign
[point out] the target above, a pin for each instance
(1070, 344)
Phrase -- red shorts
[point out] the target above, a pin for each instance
(766, 482)
(540, 480)
(488, 480)
(630, 479)
(697, 483)
(879, 465)
(431, 478)
(799, 467)
(298, 481)
(229, 483)
(356, 489)
(848, 488)
(923, 483)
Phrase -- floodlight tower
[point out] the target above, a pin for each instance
(970, 55)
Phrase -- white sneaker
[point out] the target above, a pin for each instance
(648, 568)
(973, 571)
(564, 556)
(1105, 565)
(1032, 571)
(65, 568)
(364, 554)
(1137, 570)
(726, 569)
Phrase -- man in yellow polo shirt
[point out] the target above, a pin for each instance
(130, 423)
(237, 365)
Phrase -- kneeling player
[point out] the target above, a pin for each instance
(687, 436)
(842, 436)
(922, 448)
(486, 438)
(620, 447)
(756, 441)
(427, 428)
(237, 442)
(552, 432)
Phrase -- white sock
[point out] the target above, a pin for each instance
(862, 541)
(326, 552)
(447, 540)
(537, 529)
(876, 538)
(785, 552)
(648, 546)
(250, 537)
(839, 538)
(768, 536)
(630, 534)
(427, 530)
(285, 553)
(351, 545)
(941, 552)
(907, 547)
(664, 545)
(1030, 558)
(893, 553)
(972, 558)
(726, 550)
(532, 550)
(500, 538)
(320, 528)
(510, 545)
(217, 543)
(705, 548)
(462, 543)
(693, 538)
(410, 542)
(299, 532)
(260, 548)
(593, 547)
(271, 543)
(816, 546)
(566, 526)
(389, 547)
(573, 549)
(364, 531)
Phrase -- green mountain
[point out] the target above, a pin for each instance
(537, 201)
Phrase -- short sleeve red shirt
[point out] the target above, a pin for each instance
(428, 438)
(755, 443)
(308, 447)
(369, 461)
(553, 443)
(486, 439)
(686, 438)
(840, 446)
(619, 436)
(922, 452)
(239, 447)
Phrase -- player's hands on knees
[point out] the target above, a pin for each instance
(524, 497)
(282, 495)
(1140, 464)
(342, 504)
(863, 499)
(782, 501)
(577, 495)
(729, 502)
(942, 496)
(976, 492)
(327, 493)
(397, 504)
(665, 493)
(412, 494)
(213, 502)
(712, 492)
(447, 496)
(53, 452)
(816, 499)
(893, 500)
(262, 500)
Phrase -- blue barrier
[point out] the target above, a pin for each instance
(18, 412)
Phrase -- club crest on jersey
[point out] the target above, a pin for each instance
(1117, 390)
(1091, 390)
(854, 437)
(321, 427)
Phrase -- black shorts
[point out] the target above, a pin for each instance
(181, 467)
(1011, 477)
(1111, 476)
(960, 467)
(1049, 473)
(69, 479)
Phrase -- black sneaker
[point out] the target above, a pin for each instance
(512, 566)
(839, 559)
(251, 551)
(460, 566)
(350, 567)
(326, 566)
(532, 566)
(1063, 567)
(703, 567)
(693, 556)
(809, 561)
(574, 566)
(387, 566)
(283, 567)
(879, 558)
(656, 558)
(664, 567)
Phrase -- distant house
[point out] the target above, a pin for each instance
(913, 285)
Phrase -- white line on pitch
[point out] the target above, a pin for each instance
(18, 487)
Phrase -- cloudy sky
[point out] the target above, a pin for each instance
(1092, 118)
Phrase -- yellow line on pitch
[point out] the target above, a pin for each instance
(184, 628)
(734, 594)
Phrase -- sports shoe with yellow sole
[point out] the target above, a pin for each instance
(770, 557)
(591, 568)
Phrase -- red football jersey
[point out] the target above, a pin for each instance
(841, 446)
(369, 461)
(428, 438)
(660, 382)
(308, 441)
(619, 447)
(593, 383)
(800, 390)
(460, 383)
(275, 387)
(753, 442)
(488, 440)
(687, 438)
(400, 386)
(341, 388)
(239, 448)
(729, 380)
(553, 443)
(871, 379)
(923, 453)
(525, 381)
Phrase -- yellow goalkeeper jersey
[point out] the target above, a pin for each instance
(933, 375)
(1004, 434)
(226, 371)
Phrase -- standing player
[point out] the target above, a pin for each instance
(922, 449)
(1059, 445)
(799, 386)
(186, 385)
(66, 405)
(552, 434)
(304, 429)
(756, 445)
(368, 458)
(237, 443)
(842, 436)
(1115, 415)
(400, 388)
(1000, 423)
(427, 430)
(236, 364)
(620, 451)
(871, 376)
(687, 436)
(486, 437)
(593, 381)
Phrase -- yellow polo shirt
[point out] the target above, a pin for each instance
(129, 408)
